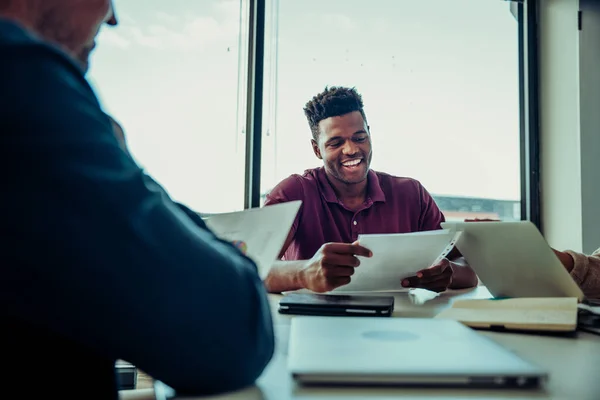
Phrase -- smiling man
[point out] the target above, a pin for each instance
(344, 199)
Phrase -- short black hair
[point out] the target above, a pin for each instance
(332, 102)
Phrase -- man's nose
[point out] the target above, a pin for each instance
(350, 148)
(112, 21)
(111, 17)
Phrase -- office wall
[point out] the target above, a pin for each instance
(560, 142)
(589, 72)
(570, 123)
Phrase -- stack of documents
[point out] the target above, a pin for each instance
(263, 231)
(558, 314)
(396, 257)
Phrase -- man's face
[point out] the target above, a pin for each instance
(344, 145)
(74, 24)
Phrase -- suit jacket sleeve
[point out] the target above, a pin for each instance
(99, 253)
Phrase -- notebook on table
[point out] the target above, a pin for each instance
(558, 314)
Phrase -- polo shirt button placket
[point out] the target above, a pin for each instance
(354, 229)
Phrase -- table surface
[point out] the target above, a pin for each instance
(573, 363)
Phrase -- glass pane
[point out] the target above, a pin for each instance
(440, 83)
(173, 73)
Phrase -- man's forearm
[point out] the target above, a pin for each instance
(463, 276)
(284, 276)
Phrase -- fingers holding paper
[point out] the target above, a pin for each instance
(332, 266)
(436, 278)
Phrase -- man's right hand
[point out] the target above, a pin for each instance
(332, 266)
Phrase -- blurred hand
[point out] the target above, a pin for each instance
(332, 266)
(436, 278)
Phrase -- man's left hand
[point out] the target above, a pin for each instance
(436, 278)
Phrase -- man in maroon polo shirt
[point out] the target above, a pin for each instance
(344, 198)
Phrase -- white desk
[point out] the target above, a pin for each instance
(573, 363)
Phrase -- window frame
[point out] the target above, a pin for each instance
(527, 16)
(528, 107)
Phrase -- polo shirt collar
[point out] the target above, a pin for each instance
(374, 191)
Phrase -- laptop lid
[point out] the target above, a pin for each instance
(513, 259)
(401, 351)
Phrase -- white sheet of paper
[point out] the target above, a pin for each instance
(397, 256)
(263, 230)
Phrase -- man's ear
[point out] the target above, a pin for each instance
(316, 149)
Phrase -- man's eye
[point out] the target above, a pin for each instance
(334, 144)
(360, 139)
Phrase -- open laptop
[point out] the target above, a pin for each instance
(402, 351)
(512, 259)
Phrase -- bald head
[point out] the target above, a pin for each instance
(69, 24)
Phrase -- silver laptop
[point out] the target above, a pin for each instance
(512, 259)
(402, 351)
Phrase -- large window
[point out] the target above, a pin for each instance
(440, 82)
(173, 74)
(439, 78)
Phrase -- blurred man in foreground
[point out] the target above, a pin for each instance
(98, 262)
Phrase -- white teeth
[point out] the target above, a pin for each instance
(352, 163)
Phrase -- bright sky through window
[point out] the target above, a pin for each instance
(439, 79)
